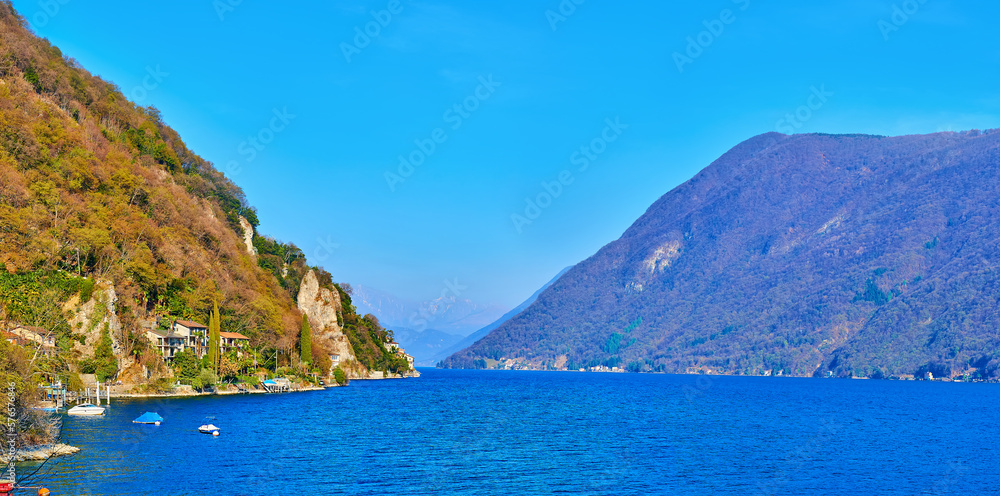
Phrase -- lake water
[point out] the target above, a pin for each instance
(489, 432)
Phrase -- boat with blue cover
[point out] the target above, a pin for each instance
(149, 418)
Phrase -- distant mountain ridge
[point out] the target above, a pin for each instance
(803, 255)
(480, 334)
(449, 314)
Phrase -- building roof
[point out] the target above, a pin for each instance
(37, 330)
(190, 324)
(35, 334)
(18, 340)
(233, 335)
(165, 334)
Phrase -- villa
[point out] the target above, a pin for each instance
(194, 334)
(233, 341)
(166, 342)
(38, 336)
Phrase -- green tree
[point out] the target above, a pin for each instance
(186, 365)
(104, 364)
(205, 379)
(214, 336)
(340, 376)
(305, 341)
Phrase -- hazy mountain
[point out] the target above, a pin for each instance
(859, 255)
(425, 346)
(448, 314)
(480, 334)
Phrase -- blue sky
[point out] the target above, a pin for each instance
(559, 73)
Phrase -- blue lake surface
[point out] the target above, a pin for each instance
(492, 432)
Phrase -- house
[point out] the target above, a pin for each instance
(195, 336)
(36, 336)
(394, 347)
(14, 339)
(233, 341)
(335, 359)
(166, 342)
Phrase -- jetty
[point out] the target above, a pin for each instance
(56, 396)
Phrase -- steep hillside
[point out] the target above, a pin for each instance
(97, 192)
(858, 255)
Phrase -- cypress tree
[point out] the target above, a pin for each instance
(214, 336)
(305, 341)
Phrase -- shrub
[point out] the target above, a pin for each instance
(340, 376)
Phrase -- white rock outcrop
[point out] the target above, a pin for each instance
(321, 305)
(248, 236)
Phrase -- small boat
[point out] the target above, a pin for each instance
(209, 429)
(86, 409)
(148, 418)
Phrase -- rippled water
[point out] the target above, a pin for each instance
(478, 432)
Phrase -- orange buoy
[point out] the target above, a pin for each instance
(43, 492)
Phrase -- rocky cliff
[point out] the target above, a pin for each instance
(95, 317)
(322, 306)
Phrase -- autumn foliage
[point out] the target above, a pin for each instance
(94, 186)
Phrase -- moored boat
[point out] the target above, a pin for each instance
(149, 418)
(209, 429)
(86, 409)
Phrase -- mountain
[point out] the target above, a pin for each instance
(469, 340)
(425, 345)
(448, 313)
(110, 227)
(805, 255)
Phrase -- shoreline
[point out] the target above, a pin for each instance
(692, 374)
(229, 392)
(40, 453)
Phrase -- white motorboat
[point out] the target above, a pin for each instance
(209, 429)
(87, 409)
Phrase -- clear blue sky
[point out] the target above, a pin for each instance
(322, 178)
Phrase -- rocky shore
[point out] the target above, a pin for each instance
(39, 453)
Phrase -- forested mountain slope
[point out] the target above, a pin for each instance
(857, 255)
(98, 192)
